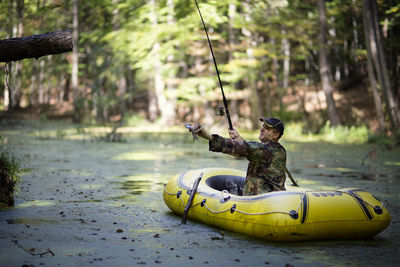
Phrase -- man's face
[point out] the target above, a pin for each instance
(268, 134)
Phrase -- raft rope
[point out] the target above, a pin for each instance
(377, 209)
(366, 202)
(233, 208)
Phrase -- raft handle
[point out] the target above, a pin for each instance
(178, 194)
(378, 210)
(233, 208)
(293, 214)
(203, 202)
(225, 199)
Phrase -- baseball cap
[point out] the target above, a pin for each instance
(275, 123)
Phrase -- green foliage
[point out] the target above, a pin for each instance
(9, 177)
(345, 134)
(394, 14)
(128, 42)
(338, 134)
(60, 134)
(285, 115)
(135, 120)
(382, 139)
(294, 129)
(10, 167)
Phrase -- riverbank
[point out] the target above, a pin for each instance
(86, 202)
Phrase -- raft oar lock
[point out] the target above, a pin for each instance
(225, 198)
(293, 214)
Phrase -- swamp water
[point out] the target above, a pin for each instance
(83, 202)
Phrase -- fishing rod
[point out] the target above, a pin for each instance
(216, 68)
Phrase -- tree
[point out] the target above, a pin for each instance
(377, 57)
(35, 46)
(324, 66)
(75, 60)
(251, 42)
(267, 53)
(371, 71)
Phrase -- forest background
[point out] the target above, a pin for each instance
(315, 63)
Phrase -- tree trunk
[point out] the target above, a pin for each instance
(324, 67)
(67, 87)
(268, 102)
(159, 85)
(122, 83)
(371, 72)
(152, 108)
(35, 46)
(9, 85)
(8, 91)
(379, 62)
(40, 82)
(75, 59)
(276, 65)
(156, 84)
(6, 94)
(277, 69)
(234, 107)
(286, 66)
(254, 96)
(34, 75)
(286, 60)
(355, 41)
(16, 68)
(168, 113)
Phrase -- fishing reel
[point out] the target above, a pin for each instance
(219, 111)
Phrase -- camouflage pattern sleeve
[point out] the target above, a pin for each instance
(228, 146)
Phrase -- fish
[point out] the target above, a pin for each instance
(191, 129)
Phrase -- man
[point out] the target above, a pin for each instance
(267, 160)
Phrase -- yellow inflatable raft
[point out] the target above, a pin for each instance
(293, 215)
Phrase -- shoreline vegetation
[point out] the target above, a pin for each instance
(9, 177)
(294, 131)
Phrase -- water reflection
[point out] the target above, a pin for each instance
(138, 187)
(30, 221)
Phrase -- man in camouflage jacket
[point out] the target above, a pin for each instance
(267, 160)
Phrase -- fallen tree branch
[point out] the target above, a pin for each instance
(35, 46)
(370, 154)
(48, 251)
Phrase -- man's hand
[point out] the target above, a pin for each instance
(235, 135)
(200, 131)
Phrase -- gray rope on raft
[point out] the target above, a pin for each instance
(366, 202)
(248, 213)
(230, 209)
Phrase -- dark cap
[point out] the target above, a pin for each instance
(275, 123)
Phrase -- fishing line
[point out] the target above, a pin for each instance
(216, 68)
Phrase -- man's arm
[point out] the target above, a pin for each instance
(200, 131)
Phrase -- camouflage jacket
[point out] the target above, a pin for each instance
(267, 162)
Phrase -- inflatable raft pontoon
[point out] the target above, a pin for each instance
(293, 215)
